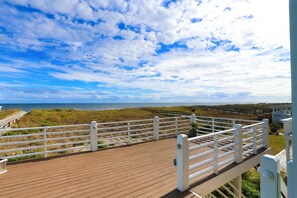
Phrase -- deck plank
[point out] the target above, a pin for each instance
(142, 170)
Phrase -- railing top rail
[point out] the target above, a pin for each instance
(126, 121)
(252, 125)
(219, 118)
(286, 120)
(45, 127)
(171, 118)
(211, 134)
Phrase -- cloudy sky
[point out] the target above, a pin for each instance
(144, 51)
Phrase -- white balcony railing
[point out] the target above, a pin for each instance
(272, 184)
(38, 142)
(212, 151)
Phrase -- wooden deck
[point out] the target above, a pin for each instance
(142, 170)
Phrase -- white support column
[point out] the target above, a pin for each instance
(156, 127)
(93, 136)
(176, 126)
(254, 140)
(216, 154)
(238, 143)
(129, 132)
(270, 176)
(293, 50)
(265, 136)
(182, 162)
(44, 144)
(238, 186)
(193, 118)
(212, 124)
(287, 124)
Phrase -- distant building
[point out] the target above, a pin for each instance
(1, 107)
(281, 111)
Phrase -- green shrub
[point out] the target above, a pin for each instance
(274, 127)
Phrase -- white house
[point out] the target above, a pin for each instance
(281, 111)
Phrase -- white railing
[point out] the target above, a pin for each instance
(287, 125)
(211, 152)
(34, 142)
(43, 141)
(272, 184)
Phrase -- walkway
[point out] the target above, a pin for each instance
(6, 122)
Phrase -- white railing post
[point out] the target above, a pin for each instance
(44, 144)
(193, 118)
(287, 124)
(129, 132)
(216, 154)
(265, 126)
(182, 162)
(238, 143)
(156, 127)
(254, 140)
(176, 126)
(270, 176)
(212, 125)
(93, 136)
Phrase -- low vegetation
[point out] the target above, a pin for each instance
(70, 116)
(53, 117)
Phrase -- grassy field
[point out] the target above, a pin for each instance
(70, 116)
(277, 143)
(7, 113)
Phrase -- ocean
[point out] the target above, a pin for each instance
(92, 106)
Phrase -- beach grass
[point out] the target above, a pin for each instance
(54, 117)
(51, 117)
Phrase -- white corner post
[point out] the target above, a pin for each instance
(182, 162)
(287, 124)
(93, 136)
(238, 143)
(176, 126)
(212, 125)
(156, 127)
(265, 126)
(129, 132)
(292, 190)
(193, 118)
(255, 140)
(270, 176)
(216, 153)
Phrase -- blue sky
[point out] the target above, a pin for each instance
(144, 51)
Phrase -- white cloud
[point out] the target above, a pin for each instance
(234, 47)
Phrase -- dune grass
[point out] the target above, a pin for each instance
(70, 116)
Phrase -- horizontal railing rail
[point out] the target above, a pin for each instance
(212, 151)
(18, 143)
